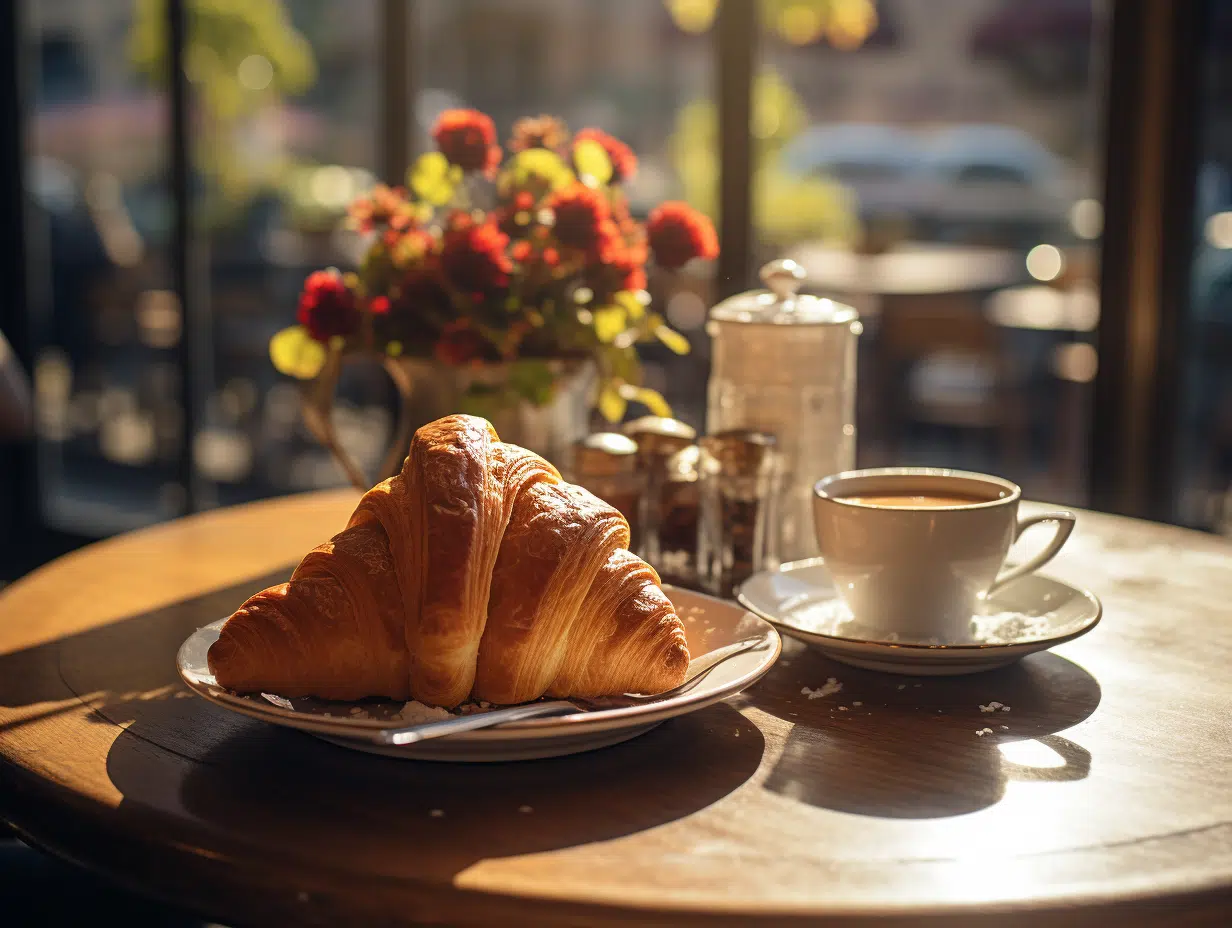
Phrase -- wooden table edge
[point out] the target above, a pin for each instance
(58, 821)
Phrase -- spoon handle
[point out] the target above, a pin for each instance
(412, 734)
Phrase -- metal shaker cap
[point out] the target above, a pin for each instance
(739, 453)
(781, 303)
(659, 436)
(604, 454)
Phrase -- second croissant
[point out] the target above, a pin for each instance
(476, 573)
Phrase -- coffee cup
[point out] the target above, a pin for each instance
(914, 551)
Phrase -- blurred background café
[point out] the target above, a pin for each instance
(1030, 205)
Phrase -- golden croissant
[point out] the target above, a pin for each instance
(476, 573)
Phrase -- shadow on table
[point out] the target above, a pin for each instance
(912, 748)
(124, 671)
(286, 791)
(269, 791)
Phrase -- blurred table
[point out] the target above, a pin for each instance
(911, 269)
(922, 302)
(1103, 797)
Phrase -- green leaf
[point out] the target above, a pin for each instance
(612, 405)
(533, 381)
(431, 179)
(296, 353)
(672, 339)
(651, 399)
(631, 303)
(619, 361)
(592, 161)
(536, 167)
(609, 322)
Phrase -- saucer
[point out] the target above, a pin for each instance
(1031, 614)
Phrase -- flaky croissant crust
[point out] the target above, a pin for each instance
(478, 573)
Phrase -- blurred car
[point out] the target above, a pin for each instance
(972, 183)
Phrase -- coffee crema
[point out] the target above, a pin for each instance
(908, 499)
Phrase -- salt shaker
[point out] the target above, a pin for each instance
(605, 463)
(658, 440)
(678, 519)
(738, 489)
(785, 364)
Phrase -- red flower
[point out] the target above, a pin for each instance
(678, 233)
(473, 257)
(521, 251)
(412, 248)
(622, 270)
(624, 162)
(630, 264)
(583, 219)
(539, 132)
(460, 344)
(382, 206)
(413, 310)
(467, 138)
(327, 307)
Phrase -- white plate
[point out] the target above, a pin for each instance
(1032, 614)
(709, 623)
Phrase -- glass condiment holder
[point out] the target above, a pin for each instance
(658, 439)
(606, 464)
(738, 520)
(679, 515)
(784, 363)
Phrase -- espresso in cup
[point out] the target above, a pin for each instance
(913, 500)
(914, 550)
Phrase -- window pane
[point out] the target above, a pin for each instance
(1203, 495)
(285, 108)
(103, 322)
(935, 165)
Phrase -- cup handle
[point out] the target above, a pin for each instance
(1065, 522)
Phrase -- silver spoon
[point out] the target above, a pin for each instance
(698, 669)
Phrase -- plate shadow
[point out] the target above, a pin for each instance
(911, 748)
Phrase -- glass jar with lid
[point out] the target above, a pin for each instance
(784, 363)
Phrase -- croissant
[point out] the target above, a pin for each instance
(475, 573)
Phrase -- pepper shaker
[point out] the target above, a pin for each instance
(738, 485)
(658, 439)
(605, 463)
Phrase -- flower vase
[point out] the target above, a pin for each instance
(497, 391)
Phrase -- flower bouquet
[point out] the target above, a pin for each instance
(521, 259)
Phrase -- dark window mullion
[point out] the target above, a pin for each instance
(1149, 187)
(736, 39)
(180, 175)
(396, 106)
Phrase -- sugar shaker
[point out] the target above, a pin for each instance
(784, 363)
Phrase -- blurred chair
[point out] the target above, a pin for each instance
(941, 362)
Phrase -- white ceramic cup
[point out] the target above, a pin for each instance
(921, 573)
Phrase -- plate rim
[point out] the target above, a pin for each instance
(1034, 644)
(553, 727)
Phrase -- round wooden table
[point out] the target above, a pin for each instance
(1103, 797)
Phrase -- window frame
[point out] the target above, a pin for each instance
(1150, 131)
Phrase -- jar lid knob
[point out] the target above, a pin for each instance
(782, 277)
